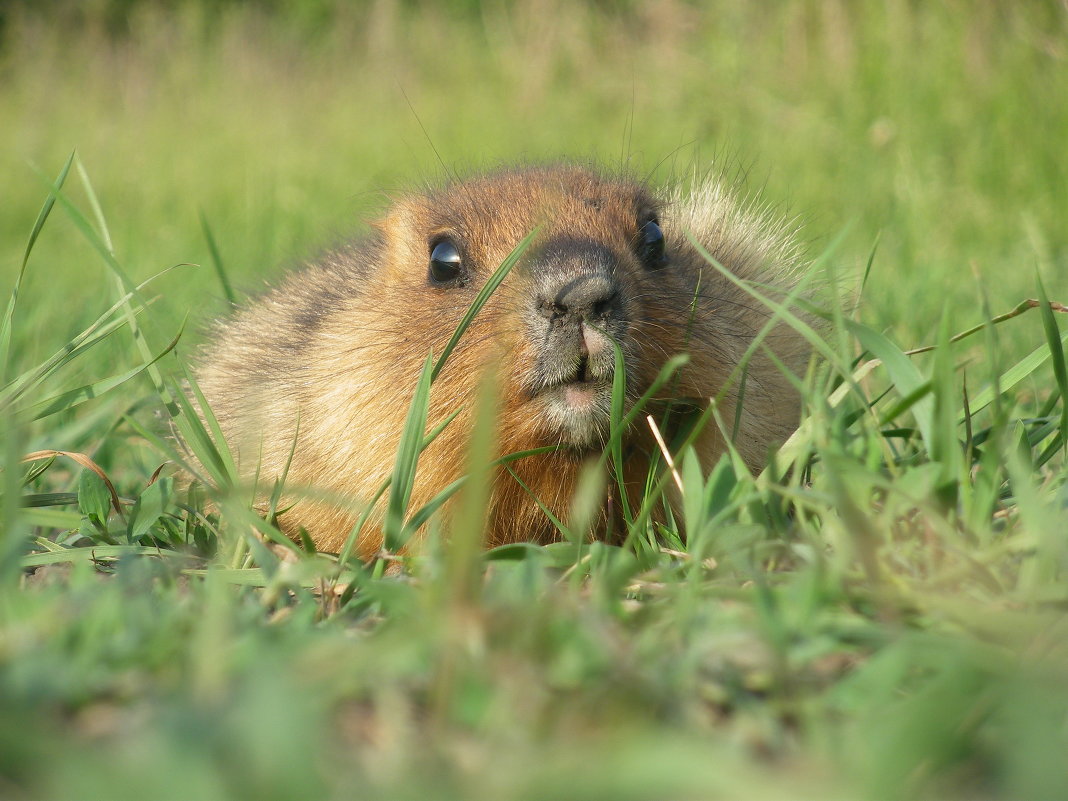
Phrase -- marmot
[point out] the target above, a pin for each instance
(324, 365)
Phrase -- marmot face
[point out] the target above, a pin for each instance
(582, 285)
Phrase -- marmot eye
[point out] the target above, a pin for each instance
(444, 262)
(651, 245)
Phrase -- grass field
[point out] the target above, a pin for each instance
(884, 621)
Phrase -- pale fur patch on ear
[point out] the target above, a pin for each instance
(742, 234)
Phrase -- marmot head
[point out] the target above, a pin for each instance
(601, 270)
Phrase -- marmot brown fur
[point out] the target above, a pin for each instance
(339, 345)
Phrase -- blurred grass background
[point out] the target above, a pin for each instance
(938, 128)
(786, 671)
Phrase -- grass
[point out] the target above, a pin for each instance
(879, 614)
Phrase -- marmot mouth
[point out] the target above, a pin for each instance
(575, 398)
(578, 412)
(585, 373)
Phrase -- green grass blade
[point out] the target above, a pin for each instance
(95, 333)
(353, 537)
(210, 448)
(165, 447)
(907, 379)
(211, 420)
(483, 295)
(870, 263)
(72, 350)
(9, 314)
(127, 289)
(462, 579)
(216, 260)
(75, 397)
(404, 466)
(38, 499)
(944, 448)
(50, 518)
(98, 211)
(558, 524)
(667, 372)
(1056, 351)
(424, 513)
(616, 429)
(1017, 373)
(90, 235)
(739, 405)
(693, 493)
(99, 553)
(905, 402)
(123, 287)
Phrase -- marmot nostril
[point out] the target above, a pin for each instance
(607, 305)
(324, 366)
(584, 297)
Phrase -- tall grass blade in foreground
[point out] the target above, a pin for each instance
(407, 460)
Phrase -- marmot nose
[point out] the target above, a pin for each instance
(586, 297)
